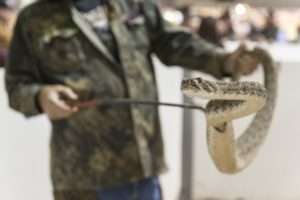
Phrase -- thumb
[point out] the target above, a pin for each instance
(231, 64)
(241, 49)
(55, 99)
(67, 92)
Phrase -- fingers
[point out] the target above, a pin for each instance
(54, 105)
(231, 62)
(243, 61)
(248, 64)
(241, 49)
(67, 92)
(55, 99)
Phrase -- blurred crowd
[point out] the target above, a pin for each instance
(239, 22)
(7, 20)
(215, 24)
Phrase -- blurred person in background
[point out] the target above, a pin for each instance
(76, 51)
(255, 33)
(7, 20)
(209, 31)
(189, 21)
(298, 34)
(270, 30)
(225, 25)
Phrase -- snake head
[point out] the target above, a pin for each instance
(198, 87)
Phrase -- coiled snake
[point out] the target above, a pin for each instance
(232, 100)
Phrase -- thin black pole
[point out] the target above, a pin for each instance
(149, 103)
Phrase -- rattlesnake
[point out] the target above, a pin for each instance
(232, 100)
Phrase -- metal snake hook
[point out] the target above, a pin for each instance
(126, 102)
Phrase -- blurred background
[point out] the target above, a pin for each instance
(271, 24)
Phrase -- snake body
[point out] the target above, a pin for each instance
(233, 100)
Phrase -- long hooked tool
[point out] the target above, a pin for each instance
(126, 102)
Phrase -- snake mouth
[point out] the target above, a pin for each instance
(221, 128)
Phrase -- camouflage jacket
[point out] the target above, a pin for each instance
(100, 147)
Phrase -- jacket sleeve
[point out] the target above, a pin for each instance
(177, 46)
(22, 78)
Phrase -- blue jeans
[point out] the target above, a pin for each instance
(147, 189)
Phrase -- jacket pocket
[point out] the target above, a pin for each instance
(61, 51)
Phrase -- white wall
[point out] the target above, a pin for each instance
(24, 167)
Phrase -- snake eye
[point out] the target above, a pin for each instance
(199, 80)
(196, 84)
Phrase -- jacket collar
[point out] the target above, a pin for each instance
(88, 31)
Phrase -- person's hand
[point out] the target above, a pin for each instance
(241, 62)
(52, 101)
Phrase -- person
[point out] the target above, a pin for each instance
(76, 51)
(225, 25)
(208, 30)
(270, 30)
(7, 19)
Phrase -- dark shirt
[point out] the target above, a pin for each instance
(103, 32)
(86, 6)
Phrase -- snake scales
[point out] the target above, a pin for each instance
(232, 100)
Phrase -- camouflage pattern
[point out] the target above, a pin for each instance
(101, 147)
